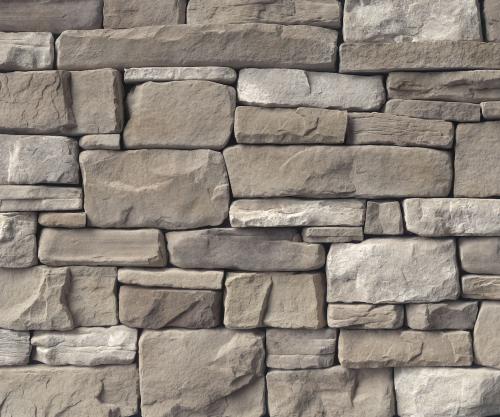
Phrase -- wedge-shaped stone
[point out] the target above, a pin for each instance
(71, 391)
(223, 75)
(158, 308)
(481, 287)
(100, 142)
(67, 220)
(454, 315)
(295, 88)
(39, 198)
(365, 316)
(393, 270)
(384, 218)
(491, 12)
(491, 110)
(26, 51)
(480, 255)
(168, 189)
(236, 46)
(14, 348)
(180, 114)
(279, 299)
(18, 248)
(452, 216)
(331, 392)
(434, 110)
(243, 249)
(135, 13)
(334, 172)
(487, 335)
(144, 247)
(223, 369)
(332, 234)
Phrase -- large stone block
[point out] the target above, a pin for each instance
(14, 348)
(481, 287)
(365, 316)
(480, 255)
(433, 110)
(491, 12)
(27, 51)
(18, 248)
(487, 335)
(39, 198)
(222, 75)
(454, 315)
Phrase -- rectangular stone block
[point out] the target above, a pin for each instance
(365, 316)
(384, 218)
(491, 110)
(454, 315)
(28, 51)
(18, 246)
(486, 333)
(481, 287)
(480, 255)
(332, 234)
(491, 13)
(222, 75)
(434, 110)
(66, 220)
(39, 198)
(14, 348)
(101, 142)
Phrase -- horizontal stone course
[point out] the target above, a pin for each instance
(481, 287)
(133, 13)
(27, 51)
(480, 255)
(223, 75)
(365, 316)
(435, 110)
(442, 316)
(332, 234)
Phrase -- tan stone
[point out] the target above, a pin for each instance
(491, 12)
(434, 110)
(222, 75)
(39, 198)
(481, 287)
(459, 315)
(100, 142)
(480, 255)
(491, 110)
(365, 316)
(14, 348)
(18, 246)
(486, 335)
(66, 220)
(28, 51)
(384, 218)
(333, 234)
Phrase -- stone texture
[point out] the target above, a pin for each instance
(284, 300)
(100, 142)
(365, 316)
(295, 88)
(18, 247)
(223, 369)
(159, 308)
(243, 249)
(26, 51)
(200, 115)
(481, 287)
(401, 348)
(256, 125)
(455, 315)
(333, 234)
(236, 46)
(333, 172)
(168, 189)
(486, 335)
(143, 247)
(491, 12)
(222, 75)
(383, 218)
(331, 392)
(86, 346)
(480, 255)
(434, 110)
(66, 220)
(491, 110)
(14, 348)
(392, 270)
(39, 198)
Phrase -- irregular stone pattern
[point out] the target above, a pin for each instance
(18, 245)
(480, 255)
(26, 51)
(365, 316)
(15, 348)
(434, 110)
(223, 75)
(441, 316)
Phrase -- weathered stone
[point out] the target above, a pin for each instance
(486, 335)
(158, 308)
(223, 369)
(331, 392)
(100, 142)
(284, 300)
(189, 279)
(452, 216)
(383, 218)
(491, 12)
(66, 220)
(26, 51)
(223, 75)
(143, 247)
(401, 348)
(35, 102)
(454, 315)
(18, 247)
(388, 129)
(481, 287)
(491, 110)
(411, 21)
(295, 88)
(365, 316)
(392, 270)
(236, 46)
(168, 189)
(135, 13)
(243, 249)
(334, 234)
(329, 171)
(69, 391)
(480, 255)
(435, 110)
(200, 115)
(283, 212)
(39, 198)
(14, 348)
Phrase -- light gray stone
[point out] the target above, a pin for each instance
(100, 142)
(279, 299)
(168, 189)
(365, 316)
(333, 234)
(384, 218)
(491, 12)
(393, 270)
(39, 198)
(486, 335)
(454, 315)
(26, 51)
(491, 110)
(481, 287)
(435, 110)
(142, 247)
(223, 75)
(334, 172)
(480, 255)
(200, 114)
(18, 247)
(223, 369)
(14, 348)
(295, 88)
(66, 220)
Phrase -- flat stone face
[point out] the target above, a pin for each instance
(39, 198)
(159, 308)
(491, 11)
(144, 247)
(332, 234)
(441, 316)
(452, 216)
(365, 316)
(223, 75)
(486, 335)
(18, 248)
(331, 392)
(66, 220)
(168, 189)
(223, 369)
(295, 88)
(26, 51)
(236, 46)
(100, 142)
(256, 125)
(480, 255)
(243, 249)
(284, 300)
(180, 114)
(383, 218)
(14, 348)
(86, 346)
(481, 287)
(334, 172)
(392, 270)
(434, 110)
(491, 110)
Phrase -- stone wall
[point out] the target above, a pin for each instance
(282, 208)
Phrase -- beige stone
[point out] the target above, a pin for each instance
(434, 110)
(222, 75)
(333, 234)
(18, 245)
(486, 335)
(491, 110)
(481, 287)
(454, 315)
(384, 218)
(365, 316)
(39, 198)
(101, 142)
(491, 12)
(66, 220)
(14, 348)
(26, 51)
(480, 255)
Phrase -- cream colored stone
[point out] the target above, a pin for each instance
(26, 51)
(223, 75)
(491, 110)
(486, 335)
(480, 255)
(100, 142)
(66, 220)
(435, 110)
(39, 198)
(481, 287)
(14, 348)
(365, 316)
(18, 244)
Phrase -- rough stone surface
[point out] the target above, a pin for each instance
(393, 270)
(14, 348)
(39, 198)
(486, 335)
(481, 287)
(480, 255)
(66, 220)
(18, 247)
(455, 315)
(383, 218)
(100, 142)
(333, 234)
(491, 12)
(365, 316)
(435, 110)
(223, 369)
(223, 75)
(491, 110)
(26, 51)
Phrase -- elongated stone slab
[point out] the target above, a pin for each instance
(28, 51)
(331, 172)
(491, 12)
(459, 315)
(39, 198)
(365, 316)
(486, 335)
(392, 270)
(14, 348)
(384, 218)
(135, 13)
(434, 110)
(296, 88)
(480, 255)
(100, 142)
(491, 110)
(67, 220)
(223, 75)
(18, 246)
(481, 287)
(332, 234)
(236, 46)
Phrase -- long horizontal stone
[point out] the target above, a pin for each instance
(18, 245)
(223, 75)
(39, 198)
(332, 234)
(67, 220)
(296, 88)
(480, 255)
(100, 142)
(365, 316)
(27, 51)
(434, 110)
(486, 335)
(236, 46)
(491, 110)
(14, 348)
(134, 13)
(331, 172)
(481, 287)
(454, 315)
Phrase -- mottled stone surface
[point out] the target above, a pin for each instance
(481, 287)
(441, 316)
(39, 198)
(365, 316)
(332, 234)
(18, 246)
(26, 51)
(491, 12)
(14, 348)
(434, 110)
(487, 335)
(480, 255)
(223, 75)
(384, 218)
(491, 110)
(66, 220)
(100, 142)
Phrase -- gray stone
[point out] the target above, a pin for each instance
(454, 315)
(435, 110)
(365, 316)
(334, 172)
(393, 270)
(200, 114)
(26, 51)
(18, 248)
(481, 287)
(168, 189)
(223, 75)
(487, 335)
(14, 348)
(491, 12)
(243, 249)
(100, 142)
(480, 255)
(236, 46)
(279, 299)
(149, 308)
(142, 247)
(295, 88)
(66, 220)
(491, 110)
(86, 346)
(333, 234)
(384, 218)
(223, 369)
(257, 125)
(39, 198)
